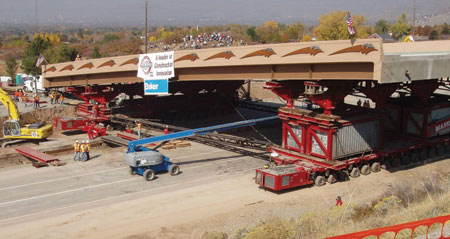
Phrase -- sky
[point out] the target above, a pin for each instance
(202, 12)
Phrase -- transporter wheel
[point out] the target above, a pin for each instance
(149, 175)
(440, 150)
(415, 157)
(355, 172)
(395, 162)
(431, 152)
(320, 181)
(375, 167)
(174, 169)
(365, 170)
(423, 154)
(331, 178)
(405, 159)
(132, 171)
(343, 175)
(447, 147)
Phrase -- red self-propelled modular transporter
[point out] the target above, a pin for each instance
(326, 140)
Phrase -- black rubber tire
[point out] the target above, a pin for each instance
(447, 148)
(331, 178)
(343, 175)
(405, 160)
(174, 170)
(415, 157)
(132, 171)
(320, 181)
(440, 150)
(423, 154)
(395, 162)
(375, 167)
(149, 175)
(431, 152)
(365, 170)
(355, 172)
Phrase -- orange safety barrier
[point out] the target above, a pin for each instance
(412, 226)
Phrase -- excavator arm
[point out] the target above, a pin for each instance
(10, 105)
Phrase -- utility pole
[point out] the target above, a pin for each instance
(146, 29)
(414, 19)
(37, 26)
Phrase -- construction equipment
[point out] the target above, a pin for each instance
(338, 141)
(147, 162)
(11, 128)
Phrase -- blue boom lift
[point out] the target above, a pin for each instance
(147, 162)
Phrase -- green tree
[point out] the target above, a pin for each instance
(269, 32)
(96, 53)
(251, 33)
(445, 29)
(295, 31)
(37, 46)
(382, 26)
(401, 27)
(110, 38)
(60, 53)
(433, 35)
(11, 67)
(334, 26)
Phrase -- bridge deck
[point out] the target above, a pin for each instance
(362, 59)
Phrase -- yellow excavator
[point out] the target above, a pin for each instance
(11, 128)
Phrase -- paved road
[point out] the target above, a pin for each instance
(27, 193)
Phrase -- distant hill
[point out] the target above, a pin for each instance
(209, 12)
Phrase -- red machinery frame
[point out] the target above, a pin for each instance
(393, 148)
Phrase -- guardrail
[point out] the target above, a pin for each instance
(409, 228)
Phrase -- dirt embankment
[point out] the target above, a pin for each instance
(44, 115)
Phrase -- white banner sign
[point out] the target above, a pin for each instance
(156, 65)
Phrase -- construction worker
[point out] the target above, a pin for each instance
(38, 104)
(76, 149)
(359, 102)
(166, 130)
(95, 111)
(88, 148)
(56, 97)
(338, 201)
(83, 151)
(78, 58)
(61, 99)
(24, 100)
(16, 96)
(20, 95)
(139, 127)
(52, 98)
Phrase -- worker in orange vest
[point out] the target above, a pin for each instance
(139, 127)
(20, 95)
(83, 151)
(88, 148)
(25, 100)
(61, 99)
(76, 149)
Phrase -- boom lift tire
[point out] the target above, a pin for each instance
(149, 175)
(174, 170)
(320, 181)
(132, 171)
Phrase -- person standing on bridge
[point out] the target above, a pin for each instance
(139, 127)
(76, 149)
